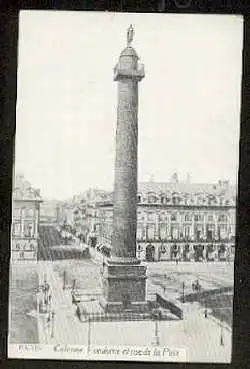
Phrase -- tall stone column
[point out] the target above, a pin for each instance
(124, 279)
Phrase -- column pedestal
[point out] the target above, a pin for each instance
(124, 286)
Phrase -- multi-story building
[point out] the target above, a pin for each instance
(76, 215)
(49, 212)
(25, 220)
(177, 221)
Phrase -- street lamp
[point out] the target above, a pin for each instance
(221, 336)
(205, 303)
(183, 292)
(52, 323)
(89, 334)
(156, 341)
(64, 279)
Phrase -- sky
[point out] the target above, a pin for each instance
(189, 100)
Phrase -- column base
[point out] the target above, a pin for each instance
(124, 286)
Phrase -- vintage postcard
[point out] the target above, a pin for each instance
(125, 186)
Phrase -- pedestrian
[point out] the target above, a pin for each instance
(177, 258)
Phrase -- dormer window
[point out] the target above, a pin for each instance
(152, 199)
(138, 198)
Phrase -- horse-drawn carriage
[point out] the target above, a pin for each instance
(196, 286)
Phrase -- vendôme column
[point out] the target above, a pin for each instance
(127, 74)
(124, 279)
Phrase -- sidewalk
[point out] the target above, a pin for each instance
(66, 325)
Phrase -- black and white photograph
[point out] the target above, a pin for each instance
(125, 186)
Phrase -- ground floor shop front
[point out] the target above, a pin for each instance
(159, 251)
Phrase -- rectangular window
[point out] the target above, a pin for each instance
(16, 212)
(188, 218)
(29, 212)
(174, 232)
(222, 218)
(16, 229)
(199, 218)
(139, 232)
(209, 235)
(28, 229)
(198, 235)
(187, 232)
(150, 216)
(151, 232)
(173, 218)
(163, 232)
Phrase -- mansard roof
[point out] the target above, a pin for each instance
(182, 189)
(23, 191)
(187, 188)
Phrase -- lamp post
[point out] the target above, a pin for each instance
(205, 303)
(52, 323)
(156, 341)
(64, 279)
(183, 292)
(89, 334)
(221, 336)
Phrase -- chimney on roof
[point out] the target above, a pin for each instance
(175, 177)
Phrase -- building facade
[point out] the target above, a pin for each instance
(49, 212)
(177, 221)
(25, 221)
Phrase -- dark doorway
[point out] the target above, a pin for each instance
(209, 235)
(186, 253)
(174, 252)
(93, 241)
(198, 253)
(150, 253)
(126, 301)
(222, 252)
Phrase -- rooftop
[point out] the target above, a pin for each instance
(23, 191)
